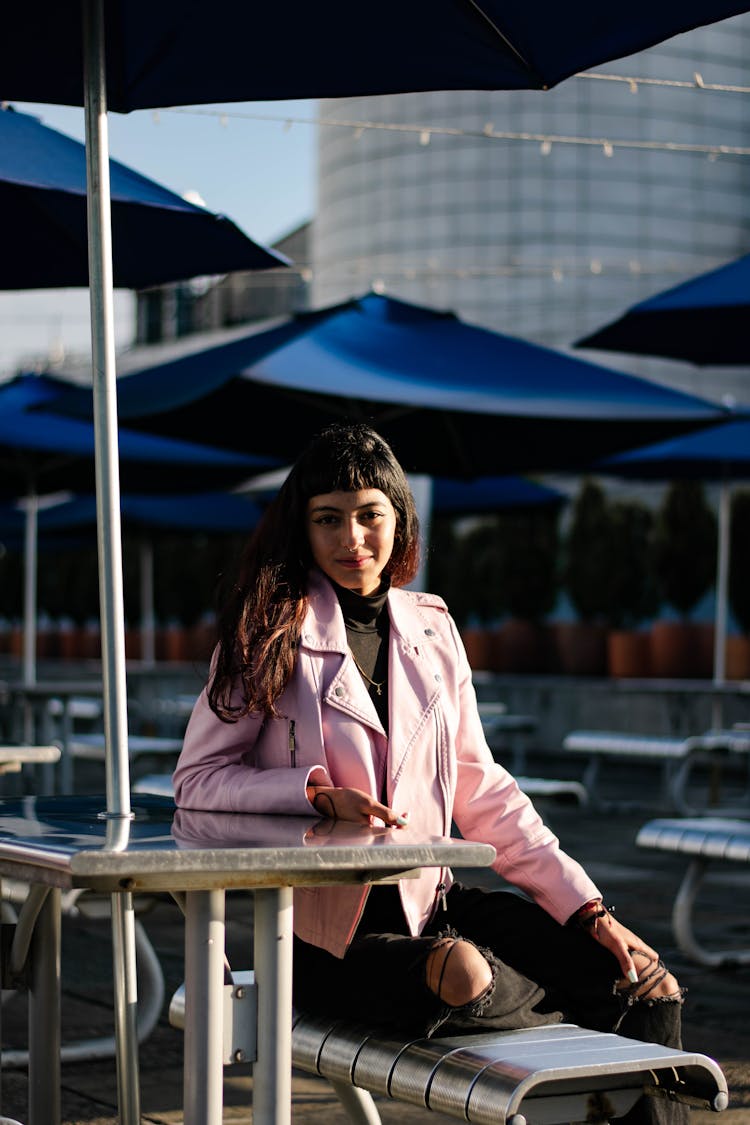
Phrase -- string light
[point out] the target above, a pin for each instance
(487, 132)
(696, 83)
(432, 269)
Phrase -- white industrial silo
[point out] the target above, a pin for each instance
(542, 238)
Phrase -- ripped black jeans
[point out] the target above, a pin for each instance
(542, 973)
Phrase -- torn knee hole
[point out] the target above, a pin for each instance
(655, 982)
(457, 972)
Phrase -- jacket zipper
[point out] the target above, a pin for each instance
(292, 743)
(441, 889)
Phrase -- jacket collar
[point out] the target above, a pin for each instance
(324, 630)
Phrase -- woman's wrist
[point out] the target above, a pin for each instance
(324, 795)
(583, 913)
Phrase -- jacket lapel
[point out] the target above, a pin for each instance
(413, 685)
(324, 631)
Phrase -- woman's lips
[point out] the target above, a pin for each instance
(354, 564)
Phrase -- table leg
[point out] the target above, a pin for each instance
(66, 761)
(203, 1083)
(126, 1003)
(272, 1073)
(44, 1015)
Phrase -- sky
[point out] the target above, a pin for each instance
(243, 160)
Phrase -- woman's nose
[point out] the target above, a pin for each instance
(353, 534)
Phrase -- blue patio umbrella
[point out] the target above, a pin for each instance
(182, 53)
(492, 494)
(42, 452)
(720, 453)
(136, 55)
(454, 399)
(157, 236)
(702, 321)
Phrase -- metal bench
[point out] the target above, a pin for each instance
(541, 1076)
(703, 840)
(554, 789)
(502, 729)
(547, 1075)
(91, 746)
(678, 756)
(141, 747)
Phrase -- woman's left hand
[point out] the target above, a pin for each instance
(622, 943)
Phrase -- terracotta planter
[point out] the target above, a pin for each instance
(738, 658)
(172, 643)
(629, 654)
(525, 646)
(202, 640)
(703, 651)
(132, 644)
(581, 648)
(90, 641)
(15, 646)
(477, 644)
(673, 655)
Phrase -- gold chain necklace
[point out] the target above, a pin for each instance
(361, 670)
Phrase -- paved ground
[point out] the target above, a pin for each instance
(642, 885)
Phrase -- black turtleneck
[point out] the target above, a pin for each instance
(367, 628)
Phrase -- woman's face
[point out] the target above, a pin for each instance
(351, 536)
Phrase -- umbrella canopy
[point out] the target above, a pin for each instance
(703, 321)
(455, 400)
(180, 53)
(196, 511)
(41, 451)
(720, 453)
(717, 453)
(491, 494)
(157, 236)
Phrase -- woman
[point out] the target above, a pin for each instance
(333, 690)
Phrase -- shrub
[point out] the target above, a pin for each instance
(586, 553)
(739, 559)
(632, 594)
(685, 545)
(528, 558)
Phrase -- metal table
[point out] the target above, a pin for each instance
(14, 758)
(33, 702)
(63, 842)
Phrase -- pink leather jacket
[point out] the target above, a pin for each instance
(439, 766)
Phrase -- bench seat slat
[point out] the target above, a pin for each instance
(497, 1077)
(714, 837)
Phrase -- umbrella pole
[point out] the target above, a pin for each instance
(109, 537)
(421, 488)
(31, 508)
(148, 616)
(722, 602)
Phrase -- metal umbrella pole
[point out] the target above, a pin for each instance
(31, 508)
(722, 603)
(109, 537)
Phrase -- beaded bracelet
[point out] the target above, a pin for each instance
(590, 920)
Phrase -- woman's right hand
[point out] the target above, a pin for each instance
(340, 803)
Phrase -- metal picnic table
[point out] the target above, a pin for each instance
(56, 843)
